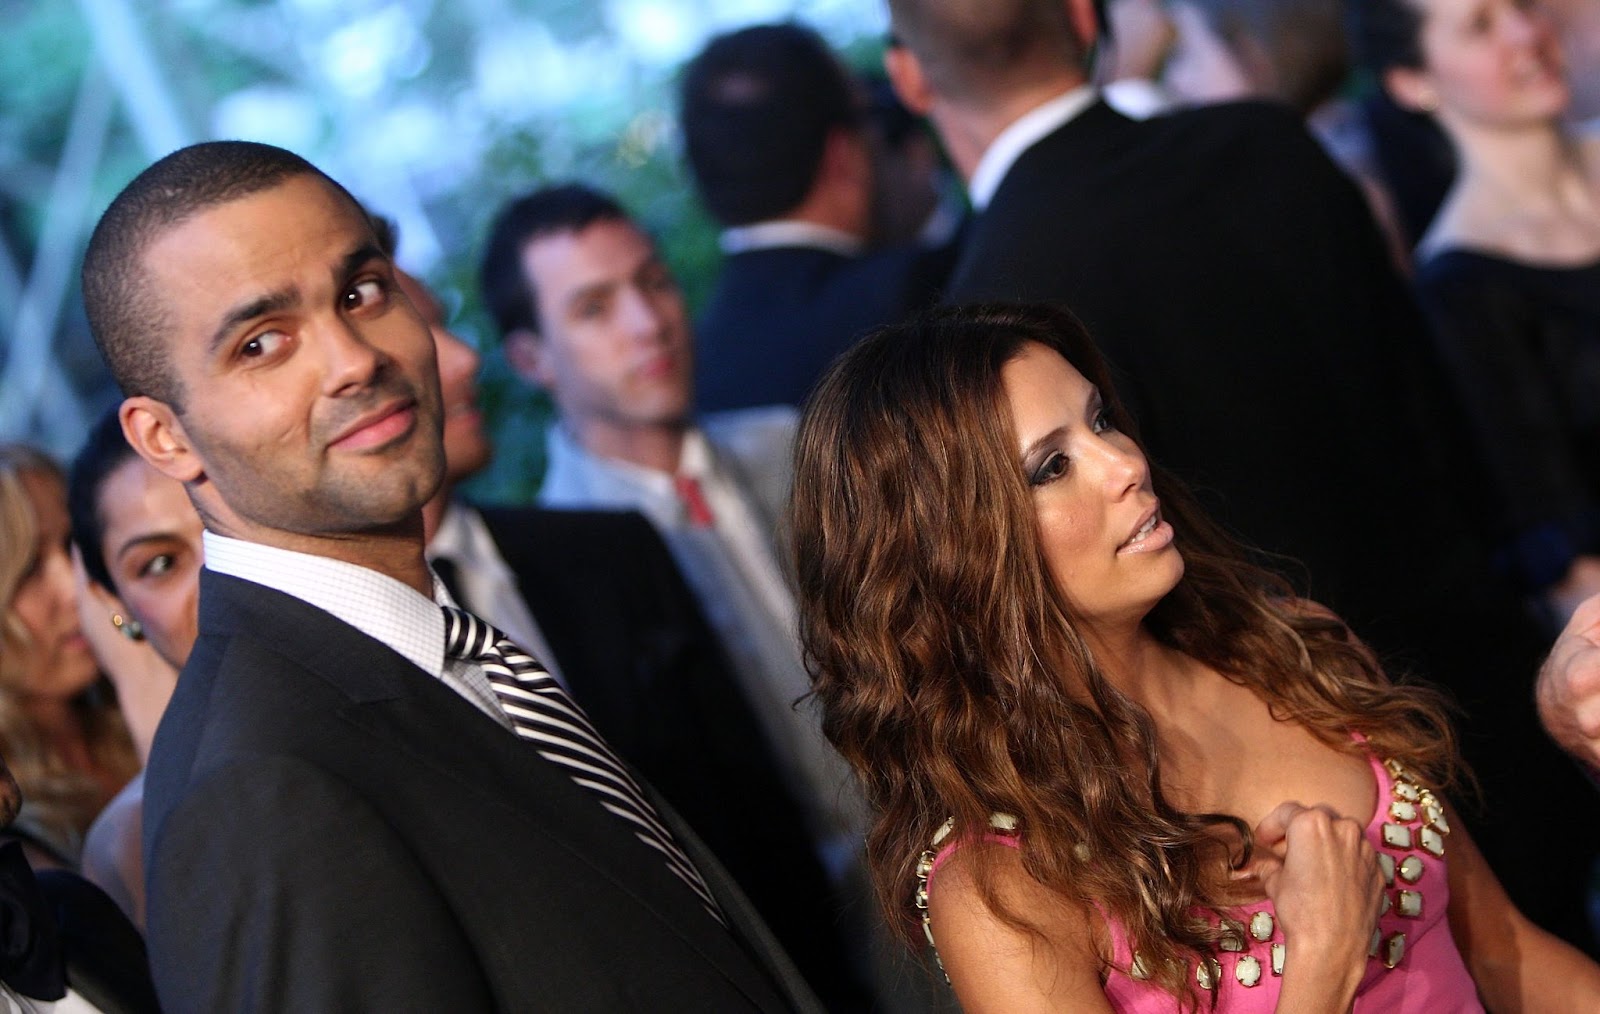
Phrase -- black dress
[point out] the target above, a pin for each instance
(1522, 343)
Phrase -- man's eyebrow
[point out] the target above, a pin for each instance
(360, 256)
(272, 302)
(584, 292)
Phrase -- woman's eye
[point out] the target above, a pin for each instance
(1053, 467)
(1102, 422)
(157, 565)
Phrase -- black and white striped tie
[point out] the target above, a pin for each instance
(541, 711)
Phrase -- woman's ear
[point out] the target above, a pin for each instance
(1411, 89)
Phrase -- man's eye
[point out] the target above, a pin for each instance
(263, 344)
(365, 293)
(1053, 467)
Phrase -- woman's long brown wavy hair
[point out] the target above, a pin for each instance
(951, 675)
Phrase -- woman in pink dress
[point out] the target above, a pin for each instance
(1114, 765)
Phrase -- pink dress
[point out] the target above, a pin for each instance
(1413, 967)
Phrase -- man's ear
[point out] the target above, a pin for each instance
(846, 157)
(155, 432)
(1085, 20)
(906, 77)
(525, 352)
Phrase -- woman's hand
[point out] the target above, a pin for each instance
(1322, 876)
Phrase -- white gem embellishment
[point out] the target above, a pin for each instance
(1397, 836)
(1278, 951)
(1411, 869)
(1386, 864)
(1137, 969)
(1247, 971)
(1405, 790)
(1394, 950)
(1409, 903)
(1433, 841)
(1261, 926)
(1206, 973)
(1403, 811)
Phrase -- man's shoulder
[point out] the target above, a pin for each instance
(514, 525)
(1105, 146)
(752, 433)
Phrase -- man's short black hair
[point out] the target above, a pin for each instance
(566, 207)
(757, 108)
(126, 318)
(104, 451)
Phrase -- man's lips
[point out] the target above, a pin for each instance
(377, 427)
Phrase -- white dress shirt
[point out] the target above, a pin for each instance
(780, 232)
(1024, 132)
(375, 604)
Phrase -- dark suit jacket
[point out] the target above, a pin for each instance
(330, 828)
(1274, 360)
(777, 317)
(639, 656)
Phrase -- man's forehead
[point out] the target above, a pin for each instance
(204, 262)
(291, 211)
(581, 257)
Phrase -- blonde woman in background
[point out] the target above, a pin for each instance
(60, 731)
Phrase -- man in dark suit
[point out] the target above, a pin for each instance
(600, 597)
(779, 146)
(341, 812)
(1272, 357)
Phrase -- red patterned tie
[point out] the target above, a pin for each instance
(695, 506)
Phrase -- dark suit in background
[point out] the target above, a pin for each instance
(779, 315)
(388, 847)
(1274, 360)
(636, 652)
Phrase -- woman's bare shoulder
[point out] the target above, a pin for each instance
(1054, 962)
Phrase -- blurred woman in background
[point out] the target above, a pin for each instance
(1509, 271)
(60, 730)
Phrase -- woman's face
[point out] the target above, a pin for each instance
(1100, 526)
(151, 544)
(1201, 68)
(57, 664)
(1490, 62)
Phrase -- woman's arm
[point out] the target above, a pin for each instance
(994, 966)
(1317, 868)
(1517, 966)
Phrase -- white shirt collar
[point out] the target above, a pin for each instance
(375, 604)
(1023, 133)
(789, 232)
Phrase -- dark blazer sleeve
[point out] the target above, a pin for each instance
(327, 910)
